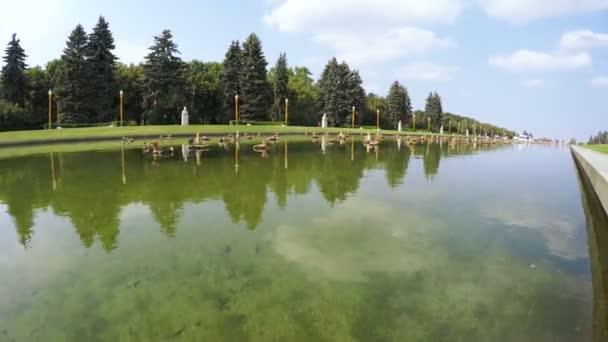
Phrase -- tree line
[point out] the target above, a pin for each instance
(599, 138)
(87, 77)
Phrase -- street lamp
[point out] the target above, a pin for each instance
(236, 108)
(353, 126)
(50, 107)
(286, 111)
(378, 119)
(121, 111)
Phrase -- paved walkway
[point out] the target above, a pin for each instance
(595, 164)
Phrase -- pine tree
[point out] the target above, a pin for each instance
(339, 90)
(437, 119)
(73, 92)
(230, 79)
(355, 95)
(13, 73)
(399, 106)
(327, 88)
(255, 91)
(163, 81)
(101, 62)
(434, 110)
(281, 86)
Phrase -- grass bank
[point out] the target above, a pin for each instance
(108, 133)
(598, 148)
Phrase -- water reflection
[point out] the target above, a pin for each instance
(83, 189)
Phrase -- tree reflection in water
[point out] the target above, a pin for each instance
(91, 188)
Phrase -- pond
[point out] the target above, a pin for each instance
(304, 243)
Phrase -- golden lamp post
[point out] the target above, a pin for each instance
(353, 125)
(121, 93)
(378, 119)
(236, 109)
(50, 107)
(286, 111)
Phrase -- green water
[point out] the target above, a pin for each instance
(429, 243)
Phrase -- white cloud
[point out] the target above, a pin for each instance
(526, 10)
(348, 15)
(366, 32)
(533, 83)
(377, 47)
(130, 53)
(425, 71)
(600, 81)
(526, 60)
(583, 39)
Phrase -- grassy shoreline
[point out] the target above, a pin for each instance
(108, 133)
(599, 148)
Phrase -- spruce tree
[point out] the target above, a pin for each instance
(73, 93)
(101, 62)
(355, 95)
(230, 79)
(434, 110)
(437, 120)
(14, 82)
(327, 89)
(399, 106)
(281, 86)
(339, 90)
(163, 81)
(255, 93)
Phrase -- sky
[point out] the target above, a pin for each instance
(536, 65)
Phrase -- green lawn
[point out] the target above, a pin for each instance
(599, 148)
(154, 131)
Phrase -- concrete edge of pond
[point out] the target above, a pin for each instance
(595, 166)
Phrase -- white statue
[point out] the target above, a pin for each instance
(399, 126)
(324, 121)
(441, 130)
(467, 132)
(185, 119)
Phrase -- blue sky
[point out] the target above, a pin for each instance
(540, 65)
